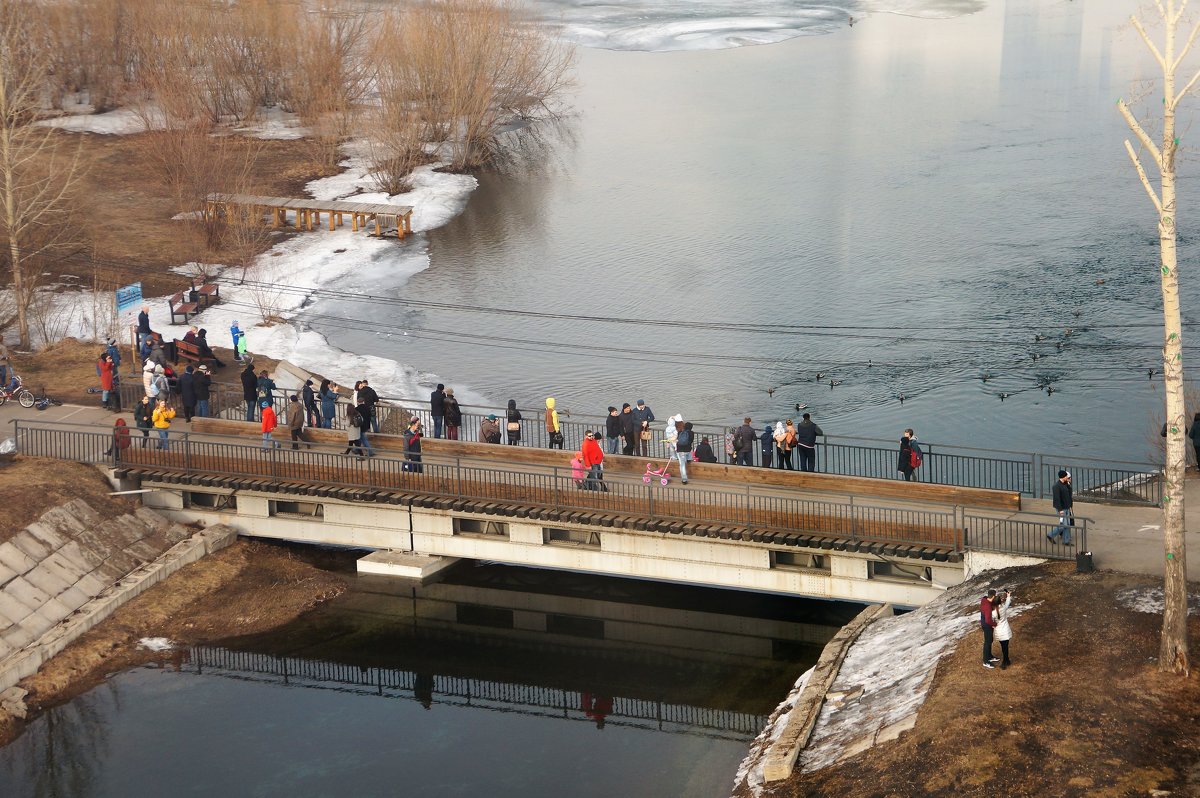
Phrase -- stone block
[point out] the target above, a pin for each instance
(6, 574)
(13, 609)
(155, 521)
(43, 532)
(73, 598)
(18, 637)
(26, 592)
(70, 570)
(176, 532)
(217, 537)
(14, 559)
(92, 584)
(36, 549)
(75, 553)
(143, 551)
(41, 622)
(123, 562)
(47, 580)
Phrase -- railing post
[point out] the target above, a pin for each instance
(458, 476)
(1035, 477)
(187, 451)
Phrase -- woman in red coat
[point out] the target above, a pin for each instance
(105, 368)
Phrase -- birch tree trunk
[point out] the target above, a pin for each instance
(1173, 646)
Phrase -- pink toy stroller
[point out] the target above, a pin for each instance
(662, 474)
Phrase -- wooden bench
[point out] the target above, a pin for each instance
(209, 294)
(186, 350)
(181, 308)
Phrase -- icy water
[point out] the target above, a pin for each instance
(499, 682)
(916, 199)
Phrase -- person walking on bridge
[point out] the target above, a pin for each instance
(593, 461)
(269, 423)
(437, 408)
(1064, 501)
(370, 400)
(295, 420)
(806, 442)
(265, 390)
(311, 411)
(553, 428)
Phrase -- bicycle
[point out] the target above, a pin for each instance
(43, 401)
(17, 390)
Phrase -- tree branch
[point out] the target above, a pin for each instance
(1137, 164)
(1158, 56)
(1138, 131)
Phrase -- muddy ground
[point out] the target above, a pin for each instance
(1082, 711)
(31, 486)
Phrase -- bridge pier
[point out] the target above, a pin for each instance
(404, 564)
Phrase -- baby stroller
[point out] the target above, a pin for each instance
(662, 474)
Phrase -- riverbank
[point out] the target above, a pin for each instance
(247, 588)
(1081, 711)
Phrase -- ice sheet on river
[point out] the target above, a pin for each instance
(661, 25)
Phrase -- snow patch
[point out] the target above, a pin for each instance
(156, 644)
(751, 770)
(1150, 600)
(121, 122)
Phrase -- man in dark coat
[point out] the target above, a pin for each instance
(368, 398)
(412, 446)
(187, 393)
(437, 408)
(612, 429)
(629, 429)
(205, 349)
(250, 390)
(202, 383)
(806, 443)
(643, 415)
(310, 404)
(1061, 493)
(744, 438)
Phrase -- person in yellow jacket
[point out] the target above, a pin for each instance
(162, 421)
(553, 429)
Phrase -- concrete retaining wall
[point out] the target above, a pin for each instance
(69, 570)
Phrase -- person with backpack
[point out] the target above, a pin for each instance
(353, 432)
(250, 389)
(744, 438)
(265, 389)
(295, 419)
(412, 447)
(369, 399)
(512, 419)
(683, 447)
(806, 442)
(911, 456)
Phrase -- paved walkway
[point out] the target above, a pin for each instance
(1121, 538)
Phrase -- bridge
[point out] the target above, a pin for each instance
(821, 535)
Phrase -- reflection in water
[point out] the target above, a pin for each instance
(501, 680)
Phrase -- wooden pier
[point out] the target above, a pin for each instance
(363, 215)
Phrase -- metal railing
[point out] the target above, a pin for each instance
(1026, 473)
(1024, 535)
(549, 487)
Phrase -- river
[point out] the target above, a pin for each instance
(918, 199)
(497, 681)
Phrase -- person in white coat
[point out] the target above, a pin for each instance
(1003, 628)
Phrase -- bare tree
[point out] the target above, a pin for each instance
(1173, 647)
(37, 175)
